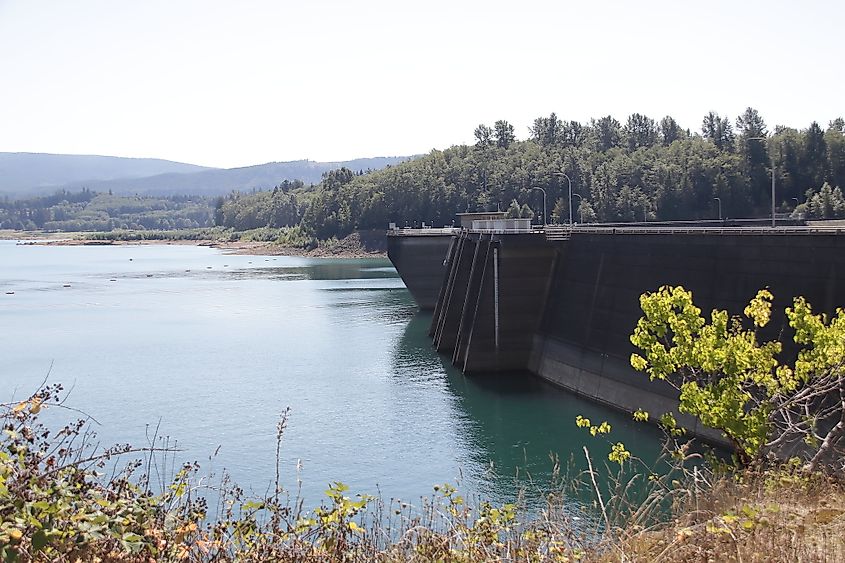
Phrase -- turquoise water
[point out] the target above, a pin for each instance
(212, 347)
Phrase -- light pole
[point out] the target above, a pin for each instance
(720, 207)
(545, 220)
(773, 177)
(570, 194)
(580, 211)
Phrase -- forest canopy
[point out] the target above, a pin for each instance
(639, 169)
(636, 170)
(91, 211)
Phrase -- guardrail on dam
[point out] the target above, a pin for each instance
(561, 303)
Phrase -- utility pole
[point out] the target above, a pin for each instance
(580, 206)
(545, 217)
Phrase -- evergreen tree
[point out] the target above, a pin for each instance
(513, 210)
(827, 203)
(787, 146)
(670, 131)
(334, 179)
(573, 134)
(640, 131)
(814, 155)
(835, 142)
(719, 131)
(483, 136)
(586, 214)
(608, 133)
(504, 134)
(526, 212)
(753, 147)
(547, 130)
(751, 124)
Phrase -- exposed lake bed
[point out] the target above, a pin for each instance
(355, 245)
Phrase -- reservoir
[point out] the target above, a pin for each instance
(212, 347)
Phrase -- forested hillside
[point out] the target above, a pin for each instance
(90, 211)
(29, 175)
(638, 170)
(642, 170)
(217, 182)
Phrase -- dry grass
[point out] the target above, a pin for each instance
(774, 515)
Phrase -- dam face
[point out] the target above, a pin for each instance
(563, 304)
(491, 300)
(419, 256)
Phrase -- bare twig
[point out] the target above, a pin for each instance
(596, 488)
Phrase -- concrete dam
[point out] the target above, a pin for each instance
(561, 302)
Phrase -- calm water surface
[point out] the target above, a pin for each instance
(213, 347)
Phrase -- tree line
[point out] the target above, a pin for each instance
(87, 210)
(639, 170)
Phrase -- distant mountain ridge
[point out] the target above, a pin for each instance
(27, 174)
(223, 181)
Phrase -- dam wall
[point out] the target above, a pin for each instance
(593, 302)
(419, 256)
(564, 309)
(491, 300)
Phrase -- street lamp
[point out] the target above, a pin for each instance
(773, 177)
(580, 206)
(544, 203)
(570, 194)
(720, 207)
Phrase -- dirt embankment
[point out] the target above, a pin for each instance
(360, 244)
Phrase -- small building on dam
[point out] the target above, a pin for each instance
(561, 302)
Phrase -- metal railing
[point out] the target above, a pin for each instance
(564, 232)
(558, 232)
(428, 231)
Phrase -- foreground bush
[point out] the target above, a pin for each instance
(61, 500)
(57, 504)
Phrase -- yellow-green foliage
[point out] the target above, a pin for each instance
(725, 376)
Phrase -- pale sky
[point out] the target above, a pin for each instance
(246, 82)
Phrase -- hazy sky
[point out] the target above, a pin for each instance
(244, 82)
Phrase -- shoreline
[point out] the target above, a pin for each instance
(249, 248)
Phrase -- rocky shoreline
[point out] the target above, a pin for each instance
(353, 246)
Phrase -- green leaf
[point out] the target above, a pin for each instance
(39, 540)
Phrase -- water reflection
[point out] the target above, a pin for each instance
(325, 270)
(515, 424)
(293, 270)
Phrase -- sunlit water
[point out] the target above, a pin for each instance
(213, 347)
